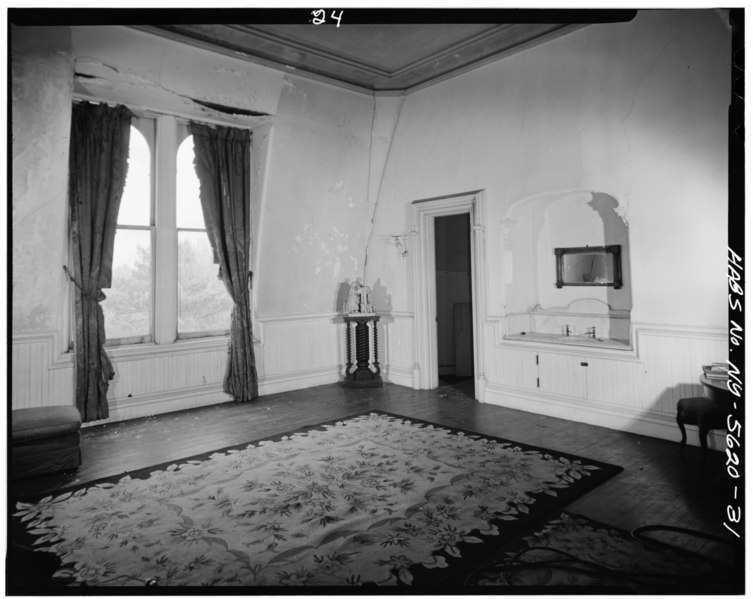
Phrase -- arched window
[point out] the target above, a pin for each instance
(128, 307)
(204, 305)
(165, 284)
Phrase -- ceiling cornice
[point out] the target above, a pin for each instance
(279, 49)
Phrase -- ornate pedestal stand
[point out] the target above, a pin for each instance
(360, 369)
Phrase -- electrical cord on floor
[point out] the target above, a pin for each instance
(574, 564)
(639, 535)
(152, 581)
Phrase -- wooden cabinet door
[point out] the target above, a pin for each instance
(517, 368)
(563, 374)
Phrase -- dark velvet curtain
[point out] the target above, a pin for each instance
(223, 165)
(98, 164)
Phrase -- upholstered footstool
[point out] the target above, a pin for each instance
(44, 440)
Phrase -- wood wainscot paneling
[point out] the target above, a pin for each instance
(299, 351)
(634, 390)
(155, 379)
(396, 347)
(149, 379)
(38, 379)
(292, 352)
(309, 350)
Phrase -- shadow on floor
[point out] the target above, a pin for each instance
(450, 384)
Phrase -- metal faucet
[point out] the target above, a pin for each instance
(567, 330)
(591, 332)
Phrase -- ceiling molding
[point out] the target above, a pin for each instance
(283, 41)
(240, 55)
(389, 59)
(487, 36)
(500, 55)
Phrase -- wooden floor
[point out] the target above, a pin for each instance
(659, 484)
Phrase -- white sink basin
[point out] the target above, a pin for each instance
(569, 340)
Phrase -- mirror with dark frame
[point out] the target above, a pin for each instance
(598, 266)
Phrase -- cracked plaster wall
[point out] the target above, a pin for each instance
(635, 110)
(42, 80)
(385, 121)
(316, 160)
(317, 211)
(122, 65)
(132, 67)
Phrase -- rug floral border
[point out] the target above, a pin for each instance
(472, 553)
(147, 470)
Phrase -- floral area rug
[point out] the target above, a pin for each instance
(573, 551)
(375, 499)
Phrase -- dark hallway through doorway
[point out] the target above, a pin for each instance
(452, 235)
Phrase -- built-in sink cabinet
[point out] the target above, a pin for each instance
(546, 372)
(565, 342)
(565, 373)
(634, 387)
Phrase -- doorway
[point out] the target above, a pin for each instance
(452, 252)
(468, 208)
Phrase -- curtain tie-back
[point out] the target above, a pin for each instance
(100, 296)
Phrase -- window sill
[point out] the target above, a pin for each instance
(140, 351)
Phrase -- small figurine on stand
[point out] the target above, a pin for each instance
(366, 306)
(351, 304)
(359, 299)
(361, 348)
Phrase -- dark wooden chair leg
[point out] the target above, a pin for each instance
(681, 424)
(703, 431)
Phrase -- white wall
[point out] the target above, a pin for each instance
(637, 111)
(41, 85)
(316, 206)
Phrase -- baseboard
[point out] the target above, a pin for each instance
(398, 375)
(206, 395)
(623, 418)
(127, 408)
(291, 381)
